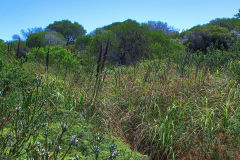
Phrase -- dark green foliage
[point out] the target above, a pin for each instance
(57, 55)
(52, 38)
(36, 40)
(162, 46)
(176, 103)
(229, 23)
(3, 47)
(67, 29)
(14, 77)
(220, 33)
(202, 37)
(82, 42)
(100, 39)
(132, 41)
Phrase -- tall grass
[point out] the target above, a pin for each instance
(173, 116)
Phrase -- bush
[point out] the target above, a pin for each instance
(3, 47)
(36, 40)
(82, 42)
(14, 77)
(41, 39)
(162, 46)
(202, 37)
(229, 23)
(69, 30)
(57, 55)
(128, 41)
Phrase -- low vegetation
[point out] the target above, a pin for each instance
(125, 91)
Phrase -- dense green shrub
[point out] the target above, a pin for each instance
(229, 23)
(133, 41)
(3, 47)
(128, 41)
(41, 39)
(99, 41)
(202, 37)
(68, 29)
(14, 77)
(162, 46)
(57, 55)
(82, 42)
(36, 40)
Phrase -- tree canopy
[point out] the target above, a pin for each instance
(35, 40)
(238, 14)
(132, 40)
(202, 37)
(68, 29)
(44, 38)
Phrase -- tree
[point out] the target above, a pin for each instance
(28, 31)
(202, 37)
(161, 26)
(35, 40)
(132, 39)
(238, 14)
(69, 30)
(52, 38)
(41, 39)
(16, 37)
(82, 42)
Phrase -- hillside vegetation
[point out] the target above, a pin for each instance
(125, 91)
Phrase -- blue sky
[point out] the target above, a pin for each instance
(183, 14)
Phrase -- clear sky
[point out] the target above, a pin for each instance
(182, 14)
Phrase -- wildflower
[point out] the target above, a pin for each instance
(96, 150)
(74, 140)
(19, 132)
(64, 126)
(99, 138)
(221, 135)
(11, 143)
(47, 153)
(75, 158)
(50, 143)
(14, 147)
(38, 81)
(46, 133)
(38, 152)
(29, 90)
(38, 144)
(18, 108)
(113, 151)
(20, 123)
(5, 157)
(112, 147)
(58, 148)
